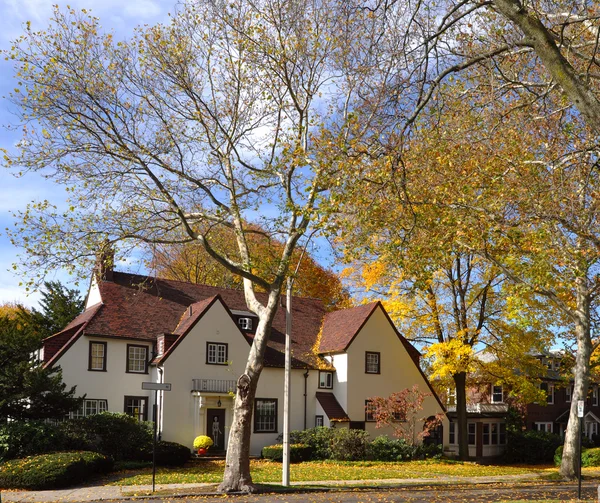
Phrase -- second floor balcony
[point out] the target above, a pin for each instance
(213, 386)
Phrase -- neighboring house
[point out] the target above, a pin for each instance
(137, 329)
(488, 404)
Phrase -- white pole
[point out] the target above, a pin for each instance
(285, 479)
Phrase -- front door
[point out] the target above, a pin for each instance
(215, 428)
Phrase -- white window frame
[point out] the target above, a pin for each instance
(319, 421)
(544, 426)
(568, 393)
(216, 353)
(372, 362)
(245, 323)
(492, 399)
(137, 363)
(89, 407)
(325, 379)
(265, 415)
(595, 395)
(451, 397)
(474, 433)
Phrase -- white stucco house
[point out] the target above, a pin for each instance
(138, 329)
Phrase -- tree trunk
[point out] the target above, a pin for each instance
(569, 467)
(237, 476)
(460, 383)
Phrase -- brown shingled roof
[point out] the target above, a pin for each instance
(340, 327)
(142, 307)
(332, 407)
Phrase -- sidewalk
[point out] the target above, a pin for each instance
(100, 493)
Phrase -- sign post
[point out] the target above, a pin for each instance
(156, 387)
(580, 410)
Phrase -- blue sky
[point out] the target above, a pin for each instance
(119, 16)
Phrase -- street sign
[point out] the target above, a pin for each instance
(157, 386)
(580, 405)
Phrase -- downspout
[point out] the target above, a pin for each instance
(159, 409)
(305, 394)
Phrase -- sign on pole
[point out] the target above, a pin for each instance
(156, 387)
(580, 406)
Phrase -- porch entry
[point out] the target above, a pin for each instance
(215, 428)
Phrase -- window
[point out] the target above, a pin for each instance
(568, 393)
(369, 410)
(486, 434)
(547, 427)
(326, 380)
(451, 397)
(89, 407)
(137, 406)
(245, 323)
(471, 433)
(319, 421)
(137, 359)
(265, 415)
(216, 353)
(452, 432)
(549, 389)
(372, 362)
(497, 394)
(97, 357)
(595, 395)
(502, 433)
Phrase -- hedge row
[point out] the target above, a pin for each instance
(119, 436)
(343, 444)
(53, 471)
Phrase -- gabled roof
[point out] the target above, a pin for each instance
(56, 345)
(333, 409)
(143, 307)
(341, 327)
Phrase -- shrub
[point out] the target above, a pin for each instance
(19, 439)
(202, 442)
(298, 453)
(429, 451)
(52, 471)
(532, 447)
(558, 455)
(170, 454)
(116, 435)
(349, 445)
(390, 449)
(318, 439)
(590, 457)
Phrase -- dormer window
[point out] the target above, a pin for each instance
(245, 323)
(497, 394)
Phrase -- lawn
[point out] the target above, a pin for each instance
(268, 471)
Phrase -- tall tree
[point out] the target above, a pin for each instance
(190, 262)
(227, 117)
(59, 305)
(27, 389)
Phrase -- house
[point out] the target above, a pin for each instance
(139, 329)
(488, 406)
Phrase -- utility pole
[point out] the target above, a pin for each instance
(285, 476)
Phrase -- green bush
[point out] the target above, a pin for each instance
(116, 435)
(349, 445)
(52, 471)
(318, 439)
(591, 457)
(170, 454)
(531, 447)
(429, 451)
(19, 439)
(390, 449)
(298, 453)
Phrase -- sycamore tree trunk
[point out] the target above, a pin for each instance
(569, 467)
(237, 463)
(460, 383)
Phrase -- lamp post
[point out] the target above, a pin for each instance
(285, 476)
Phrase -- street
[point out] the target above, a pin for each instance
(464, 494)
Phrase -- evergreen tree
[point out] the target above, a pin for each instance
(59, 305)
(27, 389)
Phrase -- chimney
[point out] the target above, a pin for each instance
(105, 261)
(164, 342)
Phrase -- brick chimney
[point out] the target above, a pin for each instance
(105, 262)
(164, 342)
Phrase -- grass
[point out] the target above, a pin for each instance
(267, 471)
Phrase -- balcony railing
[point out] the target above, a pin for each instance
(482, 408)
(213, 385)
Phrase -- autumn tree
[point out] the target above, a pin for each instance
(227, 117)
(191, 263)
